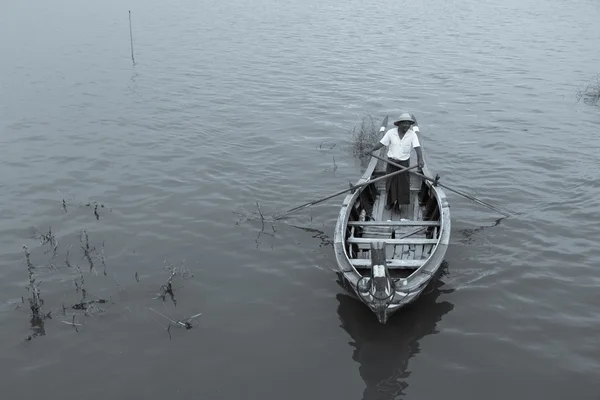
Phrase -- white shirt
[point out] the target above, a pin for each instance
(400, 148)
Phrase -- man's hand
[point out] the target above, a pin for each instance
(421, 164)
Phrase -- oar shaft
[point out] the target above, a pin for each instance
(446, 187)
(312, 203)
(402, 169)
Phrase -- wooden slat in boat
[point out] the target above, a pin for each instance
(391, 241)
(392, 264)
(394, 223)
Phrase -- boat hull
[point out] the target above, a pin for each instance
(386, 281)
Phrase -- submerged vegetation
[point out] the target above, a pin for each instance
(590, 94)
(364, 136)
(35, 300)
(84, 303)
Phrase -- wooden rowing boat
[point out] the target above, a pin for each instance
(387, 258)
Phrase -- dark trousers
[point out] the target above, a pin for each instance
(398, 186)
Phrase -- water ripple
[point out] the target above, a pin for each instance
(227, 106)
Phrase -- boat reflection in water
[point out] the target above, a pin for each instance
(383, 351)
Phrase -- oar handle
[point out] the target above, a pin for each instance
(400, 166)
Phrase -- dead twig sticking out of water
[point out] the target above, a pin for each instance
(49, 239)
(67, 262)
(182, 271)
(247, 216)
(252, 216)
(333, 168)
(262, 230)
(87, 249)
(88, 204)
(102, 259)
(591, 93)
(79, 205)
(184, 323)
(64, 203)
(87, 306)
(35, 301)
(326, 145)
(118, 283)
(262, 218)
(79, 286)
(96, 204)
(167, 288)
(317, 234)
(72, 323)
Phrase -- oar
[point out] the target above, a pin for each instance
(312, 203)
(435, 181)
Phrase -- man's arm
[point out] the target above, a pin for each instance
(376, 147)
(385, 141)
(419, 157)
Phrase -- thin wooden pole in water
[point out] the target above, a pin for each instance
(131, 38)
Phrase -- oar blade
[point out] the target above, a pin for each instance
(384, 124)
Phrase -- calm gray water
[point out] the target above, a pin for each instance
(228, 105)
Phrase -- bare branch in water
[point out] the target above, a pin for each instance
(87, 250)
(262, 229)
(591, 93)
(184, 323)
(67, 263)
(326, 145)
(35, 300)
(102, 258)
(49, 239)
(262, 218)
(72, 323)
(116, 280)
(183, 271)
(167, 288)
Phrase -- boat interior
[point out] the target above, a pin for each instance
(410, 234)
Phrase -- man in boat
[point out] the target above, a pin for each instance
(400, 141)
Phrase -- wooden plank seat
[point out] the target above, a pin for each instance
(391, 241)
(390, 264)
(393, 223)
